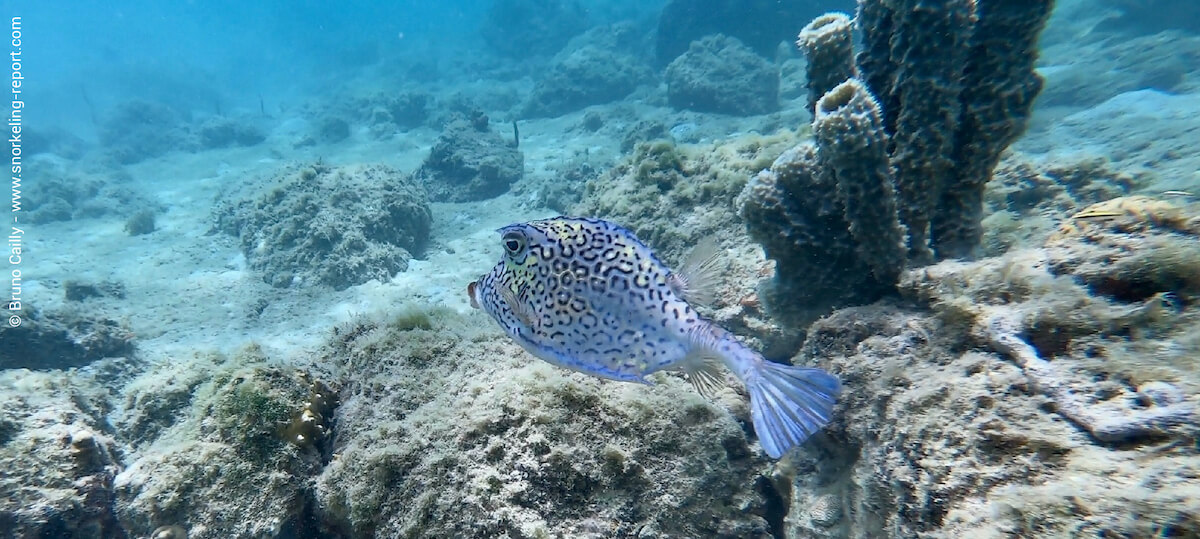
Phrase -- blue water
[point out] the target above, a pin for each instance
(242, 236)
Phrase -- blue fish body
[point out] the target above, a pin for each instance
(587, 295)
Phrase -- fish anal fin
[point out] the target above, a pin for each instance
(704, 372)
(700, 275)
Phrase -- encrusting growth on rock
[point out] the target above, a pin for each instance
(1001, 328)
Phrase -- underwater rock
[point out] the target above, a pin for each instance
(520, 28)
(1027, 199)
(562, 185)
(408, 109)
(1088, 73)
(53, 140)
(672, 195)
(643, 131)
(63, 197)
(74, 290)
(946, 432)
(1149, 16)
(161, 397)
(227, 463)
(597, 67)
(386, 112)
(760, 25)
(58, 460)
(593, 121)
(138, 130)
(62, 339)
(336, 226)
(223, 132)
(331, 129)
(1132, 249)
(720, 74)
(140, 223)
(587, 76)
(450, 431)
(469, 161)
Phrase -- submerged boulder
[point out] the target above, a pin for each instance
(452, 431)
(761, 24)
(597, 67)
(58, 455)
(336, 226)
(62, 339)
(519, 28)
(720, 74)
(137, 130)
(224, 447)
(469, 161)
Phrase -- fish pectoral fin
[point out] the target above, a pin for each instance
(700, 275)
(704, 372)
(523, 312)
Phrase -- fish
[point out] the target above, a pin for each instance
(587, 295)
(1098, 215)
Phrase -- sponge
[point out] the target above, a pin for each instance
(828, 45)
(854, 148)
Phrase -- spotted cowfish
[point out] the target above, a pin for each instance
(587, 295)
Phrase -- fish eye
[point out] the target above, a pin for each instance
(514, 242)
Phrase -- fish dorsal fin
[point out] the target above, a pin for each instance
(703, 371)
(700, 275)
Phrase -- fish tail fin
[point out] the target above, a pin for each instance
(788, 404)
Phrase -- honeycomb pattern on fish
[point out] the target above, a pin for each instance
(587, 295)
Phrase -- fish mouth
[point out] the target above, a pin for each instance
(471, 287)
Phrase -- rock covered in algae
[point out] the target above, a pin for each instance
(520, 28)
(336, 226)
(1016, 399)
(720, 74)
(448, 432)
(58, 459)
(597, 67)
(138, 129)
(217, 450)
(469, 161)
(62, 338)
